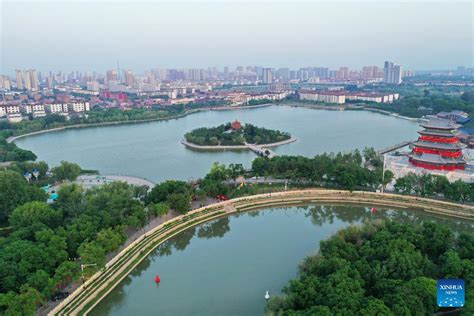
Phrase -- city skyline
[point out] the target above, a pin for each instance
(419, 36)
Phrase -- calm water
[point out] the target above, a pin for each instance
(153, 150)
(224, 267)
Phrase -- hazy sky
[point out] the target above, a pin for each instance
(87, 35)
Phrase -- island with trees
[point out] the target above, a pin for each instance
(235, 135)
(383, 268)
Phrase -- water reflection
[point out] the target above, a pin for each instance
(245, 254)
(217, 228)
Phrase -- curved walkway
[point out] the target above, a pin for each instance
(85, 298)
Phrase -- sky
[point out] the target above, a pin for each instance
(94, 35)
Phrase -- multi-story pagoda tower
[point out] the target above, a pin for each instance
(438, 147)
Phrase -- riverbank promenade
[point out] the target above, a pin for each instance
(85, 298)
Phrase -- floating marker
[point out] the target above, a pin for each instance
(267, 296)
(157, 279)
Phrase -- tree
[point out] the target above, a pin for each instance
(23, 304)
(259, 166)
(66, 171)
(179, 202)
(33, 213)
(71, 200)
(161, 191)
(376, 269)
(41, 281)
(468, 96)
(376, 307)
(92, 253)
(14, 191)
(159, 209)
(236, 170)
(110, 239)
(65, 273)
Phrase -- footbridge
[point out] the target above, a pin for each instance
(393, 147)
(262, 151)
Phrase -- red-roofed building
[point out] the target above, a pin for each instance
(236, 125)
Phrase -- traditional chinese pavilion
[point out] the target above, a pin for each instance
(438, 147)
(236, 125)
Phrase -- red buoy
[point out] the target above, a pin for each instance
(157, 279)
(373, 210)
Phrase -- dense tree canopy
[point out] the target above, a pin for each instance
(345, 170)
(176, 194)
(379, 269)
(434, 185)
(224, 135)
(14, 191)
(66, 171)
(417, 106)
(10, 152)
(35, 259)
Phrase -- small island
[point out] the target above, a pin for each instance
(235, 134)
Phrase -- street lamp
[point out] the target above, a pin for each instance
(84, 266)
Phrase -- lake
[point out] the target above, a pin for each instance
(153, 150)
(225, 266)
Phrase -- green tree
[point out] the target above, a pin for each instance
(71, 200)
(159, 209)
(24, 303)
(33, 213)
(66, 171)
(92, 253)
(179, 202)
(110, 239)
(14, 191)
(161, 191)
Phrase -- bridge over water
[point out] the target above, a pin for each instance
(262, 151)
(394, 147)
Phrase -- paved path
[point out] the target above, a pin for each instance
(90, 181)
(258, 149)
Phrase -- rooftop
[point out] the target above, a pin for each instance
(436, 159)
(442, 133)
(445, 146)
(436, 123)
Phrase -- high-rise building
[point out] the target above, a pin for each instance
(369, 72)
(129, 78)
(19, 79)
(392, 73)
(34, 84)
(5, 83)
(267, 75)
(111, 75)
(283, 74)
(343, 73)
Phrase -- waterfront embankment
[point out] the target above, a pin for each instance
(237, 147)
(85, 298)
